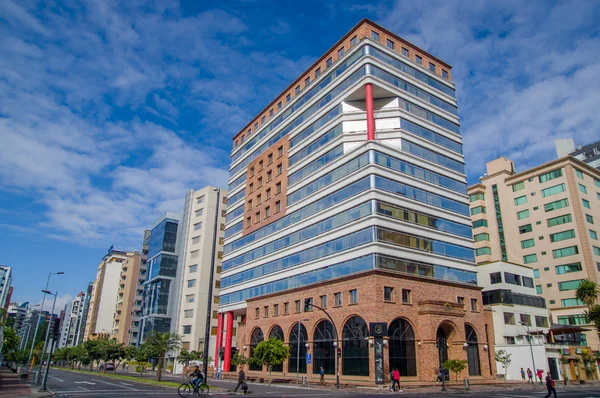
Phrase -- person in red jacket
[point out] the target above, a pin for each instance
(395, 380)
(540, 375)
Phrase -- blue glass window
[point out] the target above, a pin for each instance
(316, 252)
(317, 229)
(302, 214)
(234, 198)
(235, 228)
(308, 278)
(238, 181)
(434, 157)
(431, 136)
(420, 195)
(326, 138)
(316, 165)
(234, 214)
(329, 178)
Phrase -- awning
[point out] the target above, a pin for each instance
(559, 330)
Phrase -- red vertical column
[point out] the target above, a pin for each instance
(228, 341)
(370, 113)
(219, 336)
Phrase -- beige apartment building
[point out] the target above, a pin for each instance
(547, 218)
(200, 255)
(115, 298)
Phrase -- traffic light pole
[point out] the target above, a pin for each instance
(308, 304)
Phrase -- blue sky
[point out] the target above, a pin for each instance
(110, 110)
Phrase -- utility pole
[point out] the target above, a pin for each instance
(307, 305)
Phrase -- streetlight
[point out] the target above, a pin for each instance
(38, 323)
(210, 290)
(43, 388)
(530, 346)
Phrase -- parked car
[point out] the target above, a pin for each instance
(110, 366)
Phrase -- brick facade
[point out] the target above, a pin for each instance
(263, 193)
(432, 304)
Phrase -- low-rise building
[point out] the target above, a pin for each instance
(518, 314)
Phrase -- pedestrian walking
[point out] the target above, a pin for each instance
(523, 377)
(322, 373)
(530, 376)
(395, 380)
(550, 386)
(219, 372)
(241, 382)
(440, 374)
(540, 375)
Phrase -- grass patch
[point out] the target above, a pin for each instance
(150, 382)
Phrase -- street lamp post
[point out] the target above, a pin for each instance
(530, 346)
(37, 378)
(442, 344)
(38, 322)
(307, 304)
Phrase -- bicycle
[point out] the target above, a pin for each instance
(188, 388)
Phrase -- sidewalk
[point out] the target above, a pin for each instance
(12, 386)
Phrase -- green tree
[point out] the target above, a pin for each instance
(587, 291)
(142, 355)
(504, 358)
(160, 344)
(110, 351)
(93, 351)
(79, 355)
(238, 359)
(270, 353)
(11, 340)
(455, 366)
(185, 357)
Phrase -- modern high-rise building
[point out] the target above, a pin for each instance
(545, 218)
(114, 297)
(71, 331)
(348, 191)
(160, 297)
(5, 281)
(589, 153)
(200, 250)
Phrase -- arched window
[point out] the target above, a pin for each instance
(298, 343)
(323, 348)
(355, 356)
(442, 342)
(277, 333)
(402, 353)
(472, 351)
(257, 337)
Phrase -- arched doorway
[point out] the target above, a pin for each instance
(277, 333)
(297, 342)
(472, 351)
(355, 357)
(441, 339)
(323, 348)
(256, 337)
(402, 353)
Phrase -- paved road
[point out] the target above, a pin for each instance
(69, 384)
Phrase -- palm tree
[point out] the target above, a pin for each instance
(160, 344)
(587, 292)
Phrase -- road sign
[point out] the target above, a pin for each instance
(308, 358)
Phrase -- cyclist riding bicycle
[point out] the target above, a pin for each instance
(198, 377)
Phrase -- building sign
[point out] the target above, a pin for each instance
(379, 376)
(378, 329)
(308, 358)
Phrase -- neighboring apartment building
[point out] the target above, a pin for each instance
(200, 254)
(589, 153)
(5, 288)
(71, 331)
(161, 286)
(546, 218)
(113, 297)
(18, 313)
(348, 190)
(518, 313)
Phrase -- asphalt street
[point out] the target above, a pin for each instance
(92, 385)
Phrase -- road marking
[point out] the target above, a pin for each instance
(56, 378)
(125, 383)
(116, 385)
(85, 382)
(83, 388)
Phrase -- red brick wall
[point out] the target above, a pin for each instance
(433, 303)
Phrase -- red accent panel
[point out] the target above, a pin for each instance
(370, 113)
(219, 339)
(228, 341)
